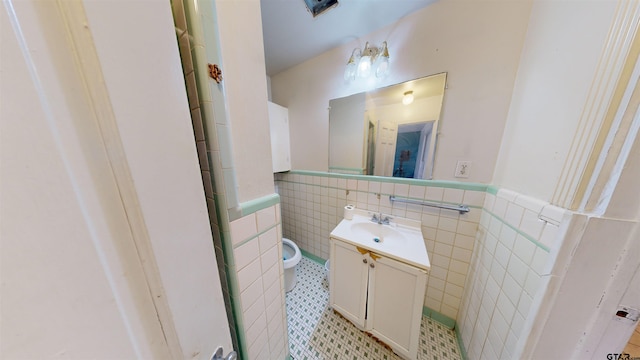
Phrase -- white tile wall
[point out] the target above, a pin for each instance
(259, 271)
(486, 265)
(510, 256)
(312, 205)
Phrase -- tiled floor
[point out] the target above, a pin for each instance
(317, 333)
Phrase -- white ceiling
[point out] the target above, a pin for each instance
(292, 35)
(428, 86)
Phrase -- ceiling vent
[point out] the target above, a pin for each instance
(317, 7)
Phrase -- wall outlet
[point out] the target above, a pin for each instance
(462, 169)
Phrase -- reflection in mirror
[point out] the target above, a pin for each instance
(390, 131)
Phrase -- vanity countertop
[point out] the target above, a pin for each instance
(401, 239)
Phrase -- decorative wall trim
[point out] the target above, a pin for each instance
(252, 206)
(315, 258)
(518, 231)
(236, 304)
(463, 351)
(441, 318)
(359, 171)
(255, 236)
(382, 194)
(382, 179)
(493, 190)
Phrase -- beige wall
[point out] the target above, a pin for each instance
(239, 25)
(478, 44)
(558, 71)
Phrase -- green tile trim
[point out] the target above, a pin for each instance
(432, 183)
(236, 307)
(234, 213)
(315, 258)
(381, 194)
(518, 231)
(288, 357)
(258, 204)
(463, 350)
(234, 295)
(359, 171)
(230, 187)
(252, 206)
(441, 318)
(256, 235)
(227, 248)
(491, 189)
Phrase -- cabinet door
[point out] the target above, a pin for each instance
(396, 296)
(348, 284)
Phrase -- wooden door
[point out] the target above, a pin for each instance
(385, 147)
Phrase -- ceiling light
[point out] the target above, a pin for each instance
(371, 60)
(407, 98)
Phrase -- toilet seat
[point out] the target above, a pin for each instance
(291, 255)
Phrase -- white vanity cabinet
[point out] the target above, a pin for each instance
(378, 294)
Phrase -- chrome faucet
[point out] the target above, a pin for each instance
(378, 218)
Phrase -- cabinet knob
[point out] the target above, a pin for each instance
(372, 265)
(364, 261)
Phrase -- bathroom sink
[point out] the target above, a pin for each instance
(401, 239)
(378, 232)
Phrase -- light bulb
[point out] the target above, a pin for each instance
(382, 63)
(365, 63)
(407, 98)
(352, 65)
(350, 71)
(382, 67)
(364, 67)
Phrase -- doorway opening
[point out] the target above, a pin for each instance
(412, 150)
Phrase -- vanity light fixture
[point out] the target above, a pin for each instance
(407, 98)
(364, 63)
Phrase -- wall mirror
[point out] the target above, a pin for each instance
(391, 131)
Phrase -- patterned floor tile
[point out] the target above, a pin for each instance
(318, 333)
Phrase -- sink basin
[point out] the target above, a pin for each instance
(401, 240)
(378, 232)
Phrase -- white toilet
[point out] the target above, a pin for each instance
(291, 255)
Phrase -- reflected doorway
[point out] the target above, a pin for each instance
(412, 150)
